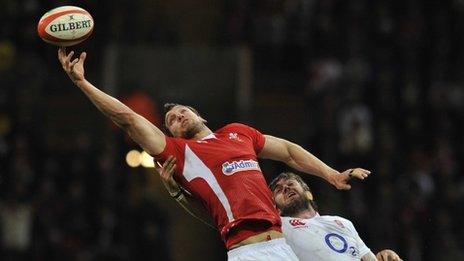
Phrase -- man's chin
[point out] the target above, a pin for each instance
(192, 131)
(294, 205)
(189, 134)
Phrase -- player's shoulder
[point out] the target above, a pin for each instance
(285, 219)
(332, 218)
(335, 220)
(176, 140)
(235, 127)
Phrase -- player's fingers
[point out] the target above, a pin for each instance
(171, 170)
(166, 162)
(67, 61)
(394, 257)
(364, 170)
(381, 256)
(358, 173)
(71, 65)
(60, 54)
(351, 173)
(69, 56)
(168, 170)
(344, 186)
(169, 167)
(82, 57)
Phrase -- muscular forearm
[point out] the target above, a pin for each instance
(296, 157)
(143, 132)
(302, 160)
(118, 112)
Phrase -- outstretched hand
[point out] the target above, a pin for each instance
(74, 68)
(388, 255)
(340, 180)
(166, 173)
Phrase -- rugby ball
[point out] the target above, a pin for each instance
(65, 26)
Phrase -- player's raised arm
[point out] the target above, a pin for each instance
(143, 132)
(302, 160)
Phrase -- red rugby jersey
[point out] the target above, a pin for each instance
(222, 171)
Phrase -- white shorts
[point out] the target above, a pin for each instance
(272, 250)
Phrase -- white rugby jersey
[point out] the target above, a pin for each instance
(323, 238)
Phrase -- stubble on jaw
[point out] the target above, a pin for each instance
(192, 131)
(296, 206)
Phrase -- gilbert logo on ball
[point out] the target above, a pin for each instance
(65, 26)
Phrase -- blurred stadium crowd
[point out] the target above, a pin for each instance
(378, 84)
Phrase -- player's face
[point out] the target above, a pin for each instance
(290, 197)
(183, 122)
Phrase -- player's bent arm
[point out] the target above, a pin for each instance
(295, 156)
(369, 257)
(300, 159)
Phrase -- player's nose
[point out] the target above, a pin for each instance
(285, 189)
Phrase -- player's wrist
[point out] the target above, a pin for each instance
(78, 81)
(179, 196)
(330, 176)
(176, 193)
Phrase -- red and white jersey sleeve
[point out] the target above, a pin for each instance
(323, 238)
(222, 170)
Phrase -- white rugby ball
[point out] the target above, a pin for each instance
(65, 26)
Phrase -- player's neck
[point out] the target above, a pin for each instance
(203, 133)
(306, 214)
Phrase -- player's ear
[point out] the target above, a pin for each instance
(309, 195)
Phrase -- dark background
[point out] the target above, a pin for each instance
(377, 84)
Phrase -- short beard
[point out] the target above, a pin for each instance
(296, 206)
(192, 131)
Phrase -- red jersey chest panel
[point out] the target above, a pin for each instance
(222, 170)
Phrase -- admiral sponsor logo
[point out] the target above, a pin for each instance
(229, 168)
(297, 223)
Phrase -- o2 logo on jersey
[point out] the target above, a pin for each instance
(336, 242)
(229, 168)
(353, 251)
